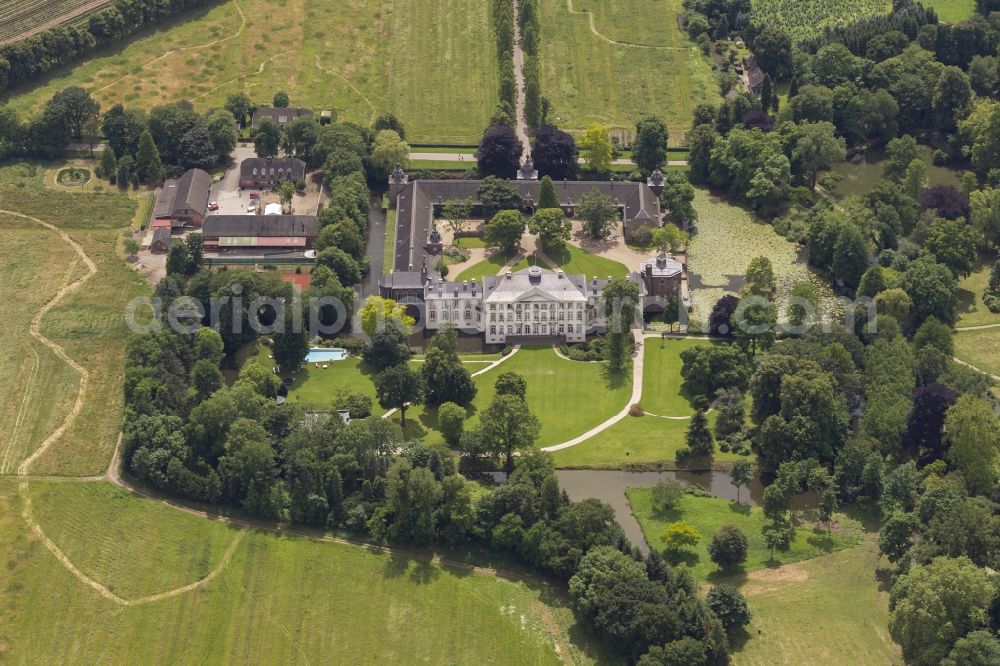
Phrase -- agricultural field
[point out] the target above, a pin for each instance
(806, 18)
(274, 599)
(728, 237)
(20, 18)
(708, 514)
(37, 388)
(971, 309)
(359, 58)
(612, 61)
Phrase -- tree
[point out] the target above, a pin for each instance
(554, 153)
(398, 387)
(280, 100)
(977, 648)
(952, 99)
(728, 547)
(850, 256)
(596, 142)
(148, 168)
(720, 321)
(669, 238)
(621, 298)
(946, 201)
(701, 141)
(598, 213)
(547, 194)
(511, 383)
(195, 149)
(79, 108)
(972, 433)
(754, 322)
(778, 534)
(222, 132)
(759, 279)
(178, 262)
(266, 138)
(451, 423)
(649, 150)
(953, 244)
(731, 412)
(290, 346)
(499, 152)
(678, 198)
(286, 191)
(915, 178)
(342, 264)
(935, 334)
(773, 48)
(389, 150)
(239, 104)
(457, 212)
(680, 535)
(740, 475)
(506, 426)
(389, 121)
(126, 171)
(121, 129)
(728, 605)
(109, 165)
(925, 426)
(816, 147)
(505, 230)
(552, 227)
(388, 347)
(932, 288)
(195, 245)
(938, 603)
(445, 378)
(496, 194)
(381, 312)
(667, 494)
(985, 214)
(698, 437)
(899, 153)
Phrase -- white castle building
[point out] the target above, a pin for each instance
(533, 302)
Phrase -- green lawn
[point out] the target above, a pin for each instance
(36, 387)
(591, 79)
(829, 610)
(470, 242)
(389, 250)
(556, 388)
(661, 385)
(489, 266)
(359, 58)
(980, 348)
(315, 388)
(440, 165)
(952, 11)
(280, 599)
(449, 150)
(708, 514)
(971, 309)
(575, 261)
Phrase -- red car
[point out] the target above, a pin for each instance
(213, 206)
(255, 195)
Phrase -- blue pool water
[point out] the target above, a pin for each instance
(325, 355)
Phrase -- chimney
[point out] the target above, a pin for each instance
(649, 270)
(465, 285)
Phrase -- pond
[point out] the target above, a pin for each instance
(862, 171)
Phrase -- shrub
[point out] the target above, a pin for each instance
(667, 494)
(680, 535)
(451, 422)
(358, 405)
(636, 410)
(682, 455)
(728, 547)
(729, 606)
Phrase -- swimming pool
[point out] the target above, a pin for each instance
(321, 355)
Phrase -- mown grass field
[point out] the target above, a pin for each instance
(708, 514)
(36, 388)
(829, 610)
(952, 11)
(280, 599)
(358, 57)
(661, 381)
(568, 397)
(18, 17)
(980, 348)
(633, 60)
(971, 309)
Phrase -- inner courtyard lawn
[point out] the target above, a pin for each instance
(634, 59)
(576, 261)
(491, 265)
(359, 58)
(708, 514)
(280, 599)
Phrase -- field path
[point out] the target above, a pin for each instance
(522, 124)
(597, 33)
(68, 16)
(260, 70)
(166, 54)
(981, 327)
(371, 104)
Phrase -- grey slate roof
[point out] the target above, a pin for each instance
(287, 165)
(193, 190)
(278, 114)
(218, 226)
(165, 202)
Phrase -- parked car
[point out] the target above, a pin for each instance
(213, 206)
(255, 195)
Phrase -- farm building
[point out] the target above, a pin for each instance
(754, 74)
(183, 202)
(263, 172)
(161, 240)
(279, 115)
(259, 234)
